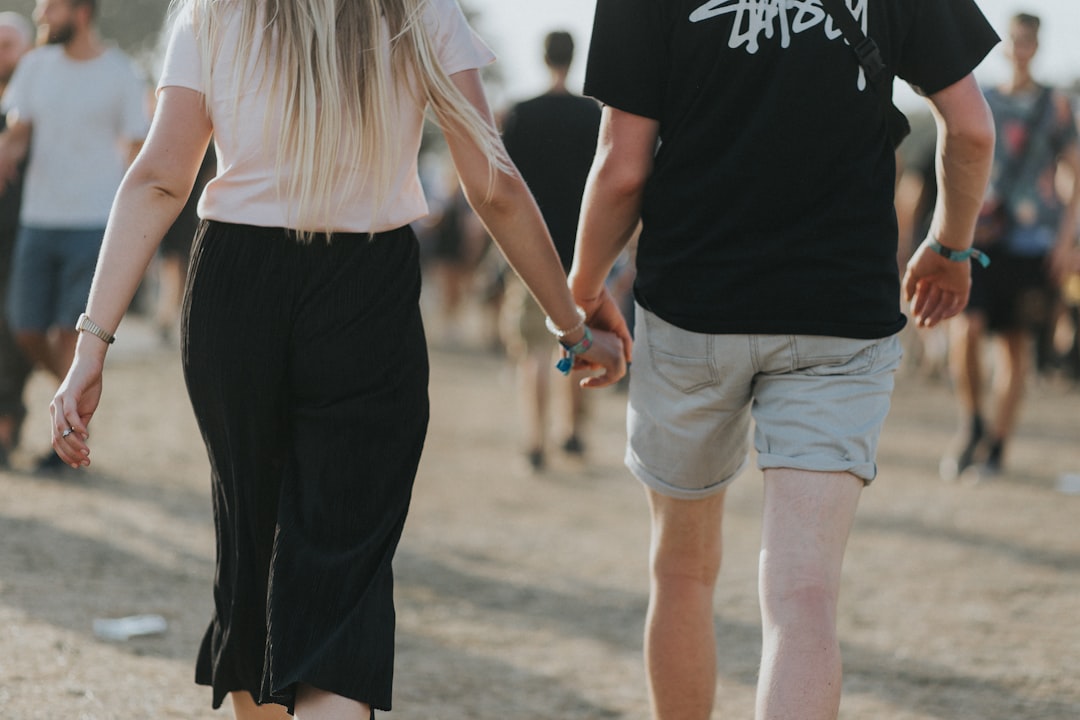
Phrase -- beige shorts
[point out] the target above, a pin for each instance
(818, 403)
(522, 322)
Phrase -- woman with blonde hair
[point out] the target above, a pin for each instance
(303, 348)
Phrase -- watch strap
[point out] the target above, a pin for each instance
(85, 324)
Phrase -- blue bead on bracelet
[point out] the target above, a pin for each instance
(566, 363)
(960, 255)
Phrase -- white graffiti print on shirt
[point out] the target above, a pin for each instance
(769, 18)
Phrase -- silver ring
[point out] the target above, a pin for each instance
(67, 432)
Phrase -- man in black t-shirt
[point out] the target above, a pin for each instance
(749, 142)
(551, 139)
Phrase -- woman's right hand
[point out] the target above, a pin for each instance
(71, 409)
(606, 353)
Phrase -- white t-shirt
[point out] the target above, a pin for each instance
(246, 191)
(84, 115)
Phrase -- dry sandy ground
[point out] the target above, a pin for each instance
(522, 596)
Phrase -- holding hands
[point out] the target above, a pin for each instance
(606, 355)
(602, 343)
(603, 313)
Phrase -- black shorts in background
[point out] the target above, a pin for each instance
(1014, 293)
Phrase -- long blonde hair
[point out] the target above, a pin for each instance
(342, 55)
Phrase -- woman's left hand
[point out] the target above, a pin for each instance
(71, 409)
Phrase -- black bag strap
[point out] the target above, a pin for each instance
(1017, 162)
(873, 64)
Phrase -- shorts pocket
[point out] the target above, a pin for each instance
(680, 358)
(824, 355)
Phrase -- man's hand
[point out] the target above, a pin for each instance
(936, 288)
(603, 313)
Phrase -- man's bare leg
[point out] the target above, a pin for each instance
(680, 643)
(806, 523)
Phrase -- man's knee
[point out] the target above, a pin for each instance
(687, 543)
(798, 603)
(697, 566)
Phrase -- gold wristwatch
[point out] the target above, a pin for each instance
(85, 324)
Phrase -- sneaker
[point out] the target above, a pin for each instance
(536, 459)
(953, 466)
(574, 446)
(992, 467)
(989, 470)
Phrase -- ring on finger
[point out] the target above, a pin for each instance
(67, 432)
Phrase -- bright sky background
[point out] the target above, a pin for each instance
(515, 29)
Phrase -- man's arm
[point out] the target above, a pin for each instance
(611, 208)
(14, 144)
(938, 288)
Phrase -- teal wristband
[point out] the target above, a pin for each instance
(566, 363)
(960, 255)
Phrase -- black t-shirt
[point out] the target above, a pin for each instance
(770, 206)
(552, 140)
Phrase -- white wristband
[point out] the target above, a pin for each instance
(559, 333)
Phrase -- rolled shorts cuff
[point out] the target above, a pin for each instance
(864, 470)
(653, 482)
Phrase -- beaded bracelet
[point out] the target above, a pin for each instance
(960, 255)
(559, 333)
(566, 364)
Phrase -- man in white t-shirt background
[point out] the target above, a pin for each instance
(77, 110)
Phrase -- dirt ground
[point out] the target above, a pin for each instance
(523, 596)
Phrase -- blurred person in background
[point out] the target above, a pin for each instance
(1030, 231)
(175, 253)
(16, 39)
(551, 139)
(77, 114)
(457, 242)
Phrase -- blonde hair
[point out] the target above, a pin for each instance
(342, 55)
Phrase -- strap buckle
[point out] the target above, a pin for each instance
(869, 55)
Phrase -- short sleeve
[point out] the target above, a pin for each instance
(457, 45)
(628, 57)
(183, 61)
(947, 41)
